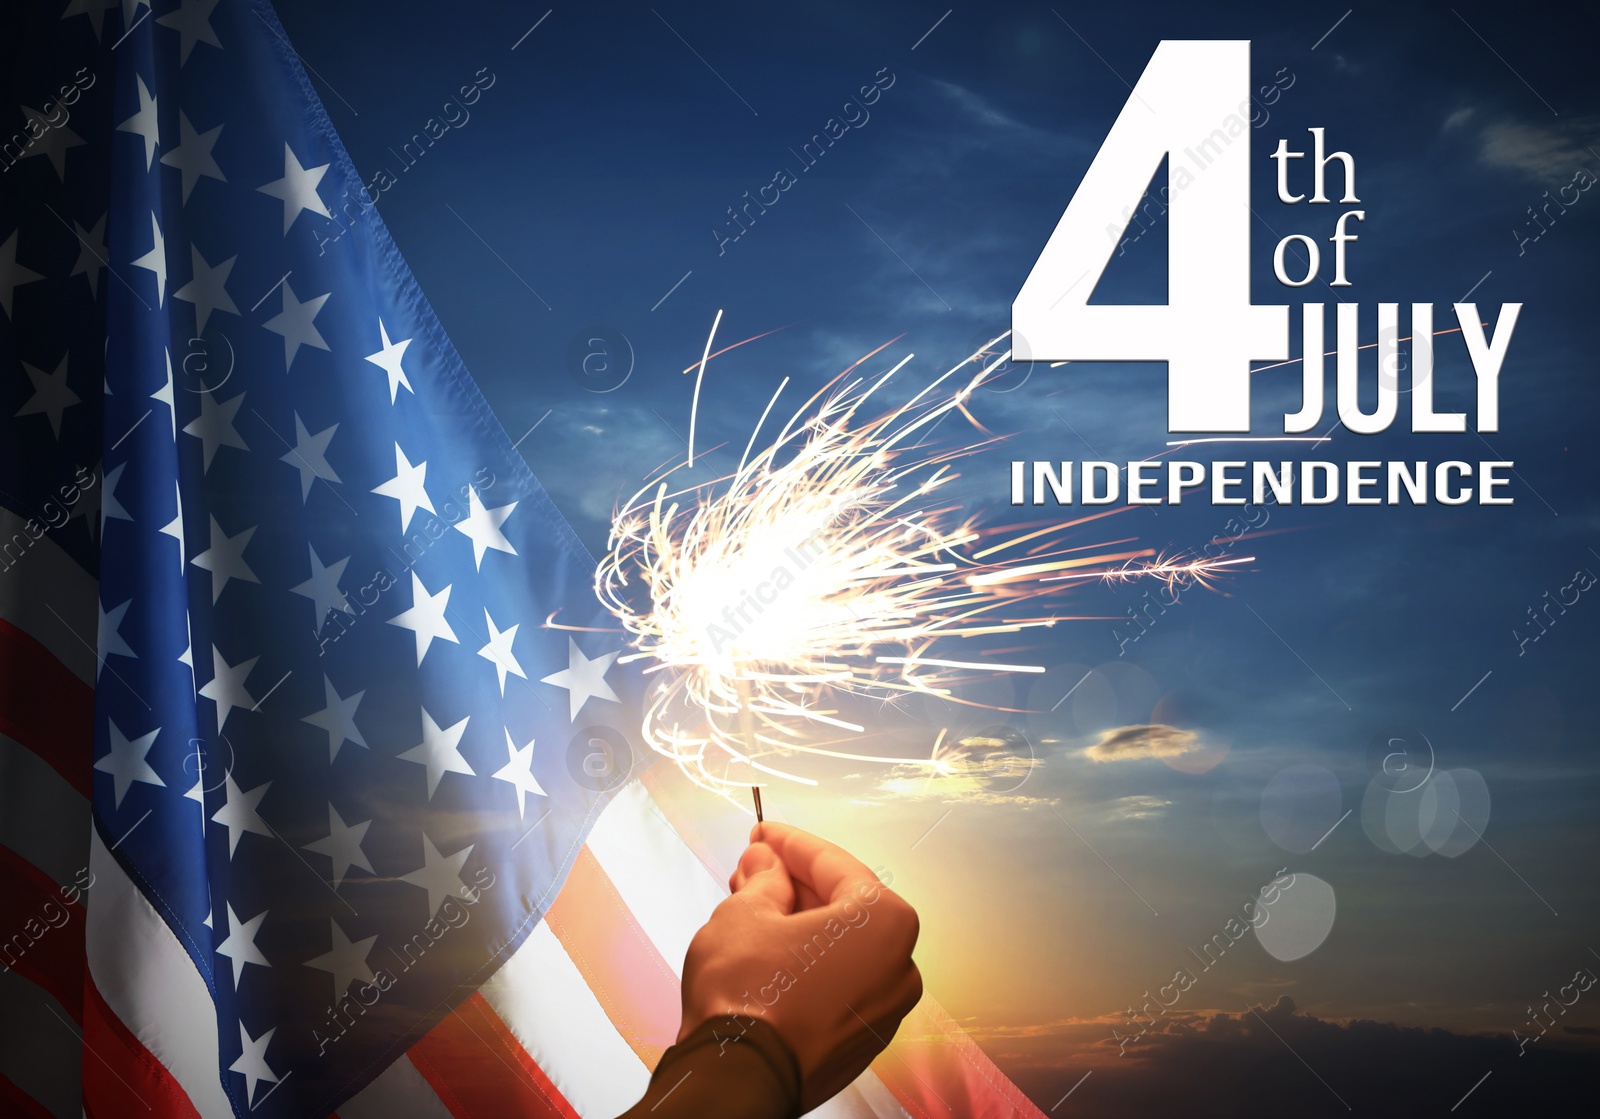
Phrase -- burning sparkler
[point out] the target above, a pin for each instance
(826, 566)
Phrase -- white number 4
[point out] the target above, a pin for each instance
(1192, 105)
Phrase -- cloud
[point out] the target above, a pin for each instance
(594, 451)
(912, 783)
(980, 111)
(1139, 807)
(978, 770)
(1154, 740)
(1547, 153)
(1274, 1060)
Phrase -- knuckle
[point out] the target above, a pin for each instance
(727, 912)
(902, 917)
(913, 991)
(706, 936)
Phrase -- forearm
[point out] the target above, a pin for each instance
(728, 1068)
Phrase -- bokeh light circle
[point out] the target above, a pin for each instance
(1299, 920)
(1445, 815)
(1299, 806)
(1461, 809)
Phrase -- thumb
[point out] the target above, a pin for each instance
(762, 880)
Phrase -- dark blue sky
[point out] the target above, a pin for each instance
(586, 185)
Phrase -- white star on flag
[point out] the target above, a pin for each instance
(309, 455)
(240, 944)
(297, 189)
(296, 323)
(323, 588)
(143, 123)
(12, 274)
(95, 9)
(164, 395)
(388, 360)
(207, 290)
(214, 426)
(156, 260)
(192, 22)
(518, 773)
(406, 487)
(482, 527)
(226, 687)
(90, 507)
(426, 617)
(192, 157)
(338, 719)
(343, 845)
(346, 961)
(110, 507)
(440, 875)
(51, 396)
(238, 812)
(126, 762)
(174, 527)
(91, 253)
(439, 751)
(583, 678)
(110, 641)
(225, 558)
(252, 1063)
(53, 140)
(498, 650)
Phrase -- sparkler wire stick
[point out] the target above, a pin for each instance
(748, 732)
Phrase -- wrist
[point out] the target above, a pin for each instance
(750, 1044)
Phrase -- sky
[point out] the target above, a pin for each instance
(582, 192)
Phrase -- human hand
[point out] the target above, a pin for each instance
(813, 943)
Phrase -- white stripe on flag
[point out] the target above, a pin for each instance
(48, 596)
(38, 1051)
(42, 818)
(150, 983)
(853, 1102)
(876, 1095)
(399, 1092)
(541, 997)
(669, 891)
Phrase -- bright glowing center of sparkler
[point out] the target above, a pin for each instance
(763, 603)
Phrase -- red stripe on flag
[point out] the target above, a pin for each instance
(617, 959)
(474, 1064)
(937, 1071)
(14, 1101)
(120, 1076)
(43, 932)
(46, 707)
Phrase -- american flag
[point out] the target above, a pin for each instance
(303, 809)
